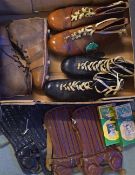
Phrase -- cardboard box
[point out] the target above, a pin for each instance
(126, 124)
(123, 47)
(109, 124)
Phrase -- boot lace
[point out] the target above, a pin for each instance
(76, 85)
(116, 3)
(21, 64)
(126, 71)
(82, 13)
(99, 66)
(84, 31)
(108, 90)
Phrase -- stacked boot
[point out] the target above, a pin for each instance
(89, 27)
(76, 16)
(15, 76)
(24, 57)
(29, 37)
(83, 32)
(83, 90)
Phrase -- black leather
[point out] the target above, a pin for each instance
(70, 92)
(88, 66)
(70, 65)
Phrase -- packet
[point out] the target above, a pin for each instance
(108, 121)
(126, 124)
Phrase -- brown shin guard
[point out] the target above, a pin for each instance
(65, 144)
(95, 153)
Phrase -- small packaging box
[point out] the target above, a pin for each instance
(126, 124)
(108, 121)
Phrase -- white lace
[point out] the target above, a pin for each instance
(109, 89)
(104, 21)
(99, 66)
(116, 3)
(82, 13)
(84, 31)
(127, 71)
(76, 85)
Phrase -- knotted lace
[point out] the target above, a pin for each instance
(108, 90)
(82, 13)
(76, 85)
(84, 31)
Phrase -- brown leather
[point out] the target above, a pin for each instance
(102, 34)
(29, 37)
(15, 76)
(66, 148)
(66, 18)
(95, 153)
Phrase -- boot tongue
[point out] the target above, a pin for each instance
(111, 23)
(112, 26)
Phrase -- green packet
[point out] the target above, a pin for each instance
(108, 121)
(126, 124)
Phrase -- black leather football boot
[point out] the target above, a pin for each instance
(88, 66)
(71, 90)
(103, 84)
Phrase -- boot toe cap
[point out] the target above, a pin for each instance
(51, 89)
(58, 44)
(56, 20)
(68, 65)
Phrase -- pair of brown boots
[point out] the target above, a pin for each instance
(87, 28)
(77, 141)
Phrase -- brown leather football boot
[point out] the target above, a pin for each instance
(88, 38)
(29, 38)
(95, 153)
(15, 77)
(75, 16)
(66, 147)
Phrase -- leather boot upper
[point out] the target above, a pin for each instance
(15, 77)
(29, 37)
